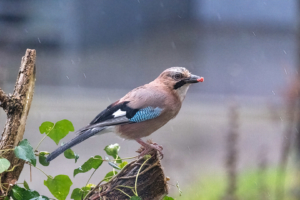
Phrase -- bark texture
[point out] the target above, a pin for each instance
(151, 183)
(17, 107)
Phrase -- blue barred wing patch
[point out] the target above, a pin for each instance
(146, 114)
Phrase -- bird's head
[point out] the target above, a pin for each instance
(179, 79)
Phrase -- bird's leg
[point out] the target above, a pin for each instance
(149, 147)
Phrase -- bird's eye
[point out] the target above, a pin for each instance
(178, 76)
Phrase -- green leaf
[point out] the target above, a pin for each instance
(59, 131)
(119, 160)
(43, 158)
(114, 165)
(90, 185)
(135, 198)
(112, 150)
(79, 194)
(59, 186)
(168, 198)
(94, 162)
(26, 186)
(85, 190)
(40, 198)
(25, 152)
(146, 157)
(109, 176)
(6, 198)
(46, 127)
(76, 194)
(18, 193)
(123, 164)
(4, 164)
(70, 154)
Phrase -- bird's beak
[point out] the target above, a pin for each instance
(194, 79)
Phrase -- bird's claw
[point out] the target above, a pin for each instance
(149, 148)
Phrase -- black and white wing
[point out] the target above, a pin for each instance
(115, 114)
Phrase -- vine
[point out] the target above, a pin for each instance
(56, 132)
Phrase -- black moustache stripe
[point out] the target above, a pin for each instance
(179, 84)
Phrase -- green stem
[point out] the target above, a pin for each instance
(125, 186)
(1, 185)
(42, 140)
(123, 192)
(43, 172)
(126, 158)
(12, 169)
(119, 159)
(114, 171)
(90, 177)
(7, 149)
(122, 159)
(4, 150)
(136, 179)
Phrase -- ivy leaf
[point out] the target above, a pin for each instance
(135, 198)
(119, 160)
(58, 131)
(4, 164)
(123, 164)
(168, 198)
(79, 194)
(70, 154)
(76, 194)
(18, 193)
(42, 158)
(85, 190)
(94, 162)
(26, 186)
(90, 185)
(113, 150)
(46, 127)
(40, 198)
(59, 186)
(109, 176)
(114, 165)
(25, 152)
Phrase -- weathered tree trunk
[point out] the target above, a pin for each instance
(151, 183)
(17, 107)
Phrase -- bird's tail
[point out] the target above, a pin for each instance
(81, 137)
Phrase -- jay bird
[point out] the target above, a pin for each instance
(141, 111)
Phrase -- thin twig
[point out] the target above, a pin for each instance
(287, 137)
(262, 170)
(232, 151)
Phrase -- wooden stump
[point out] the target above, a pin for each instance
(151, 182)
